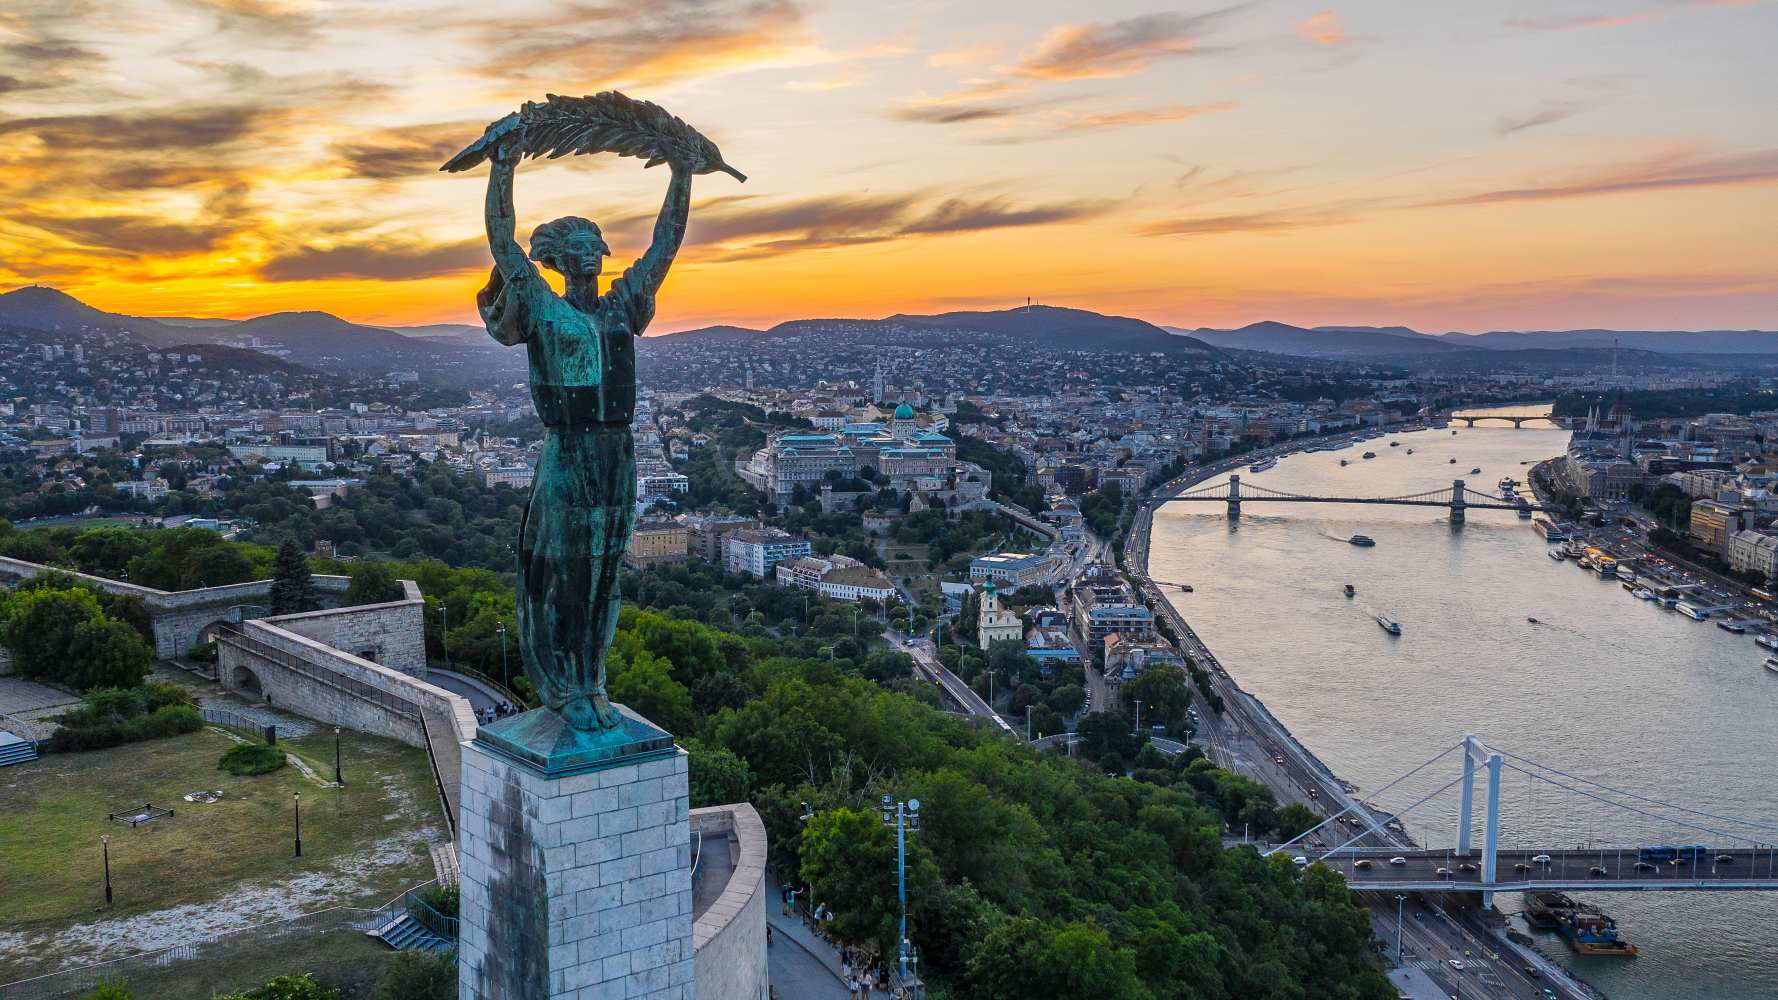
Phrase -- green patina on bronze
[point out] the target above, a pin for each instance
(583, 383)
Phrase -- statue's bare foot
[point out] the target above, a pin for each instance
(609, 716)
(581, 715)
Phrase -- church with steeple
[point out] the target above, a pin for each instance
(993, 622)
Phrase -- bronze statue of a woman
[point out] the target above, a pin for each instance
(583, 380)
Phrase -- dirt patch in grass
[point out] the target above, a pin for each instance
(206, 868)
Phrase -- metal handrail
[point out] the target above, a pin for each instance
(340, 682)
(428, 916)
(444, 798)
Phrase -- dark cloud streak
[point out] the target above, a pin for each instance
(399, 262)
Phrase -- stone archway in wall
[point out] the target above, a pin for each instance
(208, 632)
(247, 682)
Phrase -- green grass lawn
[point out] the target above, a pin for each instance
(361, 844)
(340, 957)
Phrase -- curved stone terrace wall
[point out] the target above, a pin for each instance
(180, 616)
(729, 927)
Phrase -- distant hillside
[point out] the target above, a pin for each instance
(711, 336)
(1321, 342)
(1664, 341)
(440, 331)
(39, 307)
(1546, 360)
(311, 339)
(1044, 328)
(238, 359)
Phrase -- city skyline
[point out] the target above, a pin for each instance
(1520, 166)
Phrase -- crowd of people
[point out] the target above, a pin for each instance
(859, 969)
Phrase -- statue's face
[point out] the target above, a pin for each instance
(582, 255)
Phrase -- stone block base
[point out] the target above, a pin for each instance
(575, 887)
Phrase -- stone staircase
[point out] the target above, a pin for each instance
(14, 750)
(404, 933)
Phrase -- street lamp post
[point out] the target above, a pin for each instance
(337, 779)
(105, 846)
(1399, 899)
(903, 816)
(296, 799)
(444, 624)
(505, 674)
(1027, 723)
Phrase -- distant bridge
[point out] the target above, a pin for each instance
(1742, 853)
(1458, 498)
(1471, 420)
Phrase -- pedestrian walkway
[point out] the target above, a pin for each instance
(802, 966)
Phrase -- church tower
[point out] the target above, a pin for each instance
(994, 622)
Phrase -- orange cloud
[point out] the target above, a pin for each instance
(1149, 116)
(1323, 28)
(1114, 48)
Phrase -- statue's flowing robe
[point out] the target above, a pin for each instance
(583, 493)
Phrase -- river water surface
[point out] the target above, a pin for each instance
(1609, 688)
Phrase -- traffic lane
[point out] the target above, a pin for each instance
(1484, 975)
(1573, 869)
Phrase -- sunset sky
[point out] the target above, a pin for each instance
(1445, 164)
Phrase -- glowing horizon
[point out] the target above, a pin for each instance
(1522, 165)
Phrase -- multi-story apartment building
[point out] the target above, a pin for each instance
(656, 541)
(757, 551)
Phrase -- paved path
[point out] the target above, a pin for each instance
(481, 694)
(803, 967)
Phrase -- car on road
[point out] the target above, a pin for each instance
(1443, 873)
(1597, 871)
(1646, 866)
(1725, 859)
(1398, 861)
(1455, 963)
(1541, 859)
(1549, 994)
(1521, 867)
(1362, 863)
(1300, 861)
(1467, 866)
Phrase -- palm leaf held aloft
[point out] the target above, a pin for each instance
(607, 122)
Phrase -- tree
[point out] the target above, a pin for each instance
(106, 551)
(373, 582)
(62, 636)
(293, 589)
(1104, 733)
(1025, 957)
(1295, 819)
(717, 776)
(849, 865)
(1163, 693)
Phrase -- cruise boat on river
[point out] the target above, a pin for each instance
(1389, 624)
(1558, 555)
(1695, 614)
(1362, 541)
(1370, 454)
(1262, 465)
(1767, 640)
(1772, 665)
(1476, 471)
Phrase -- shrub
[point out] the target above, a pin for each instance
(203, 653)
(301, 987)
(168, 720)
(418, 975)
(109, 989)
(252, 758)
(443, 898)
(109, 717)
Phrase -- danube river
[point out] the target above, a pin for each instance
(1607, 687)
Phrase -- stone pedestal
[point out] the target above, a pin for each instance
(576, 864)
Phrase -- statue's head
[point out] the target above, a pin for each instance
(570, 246)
